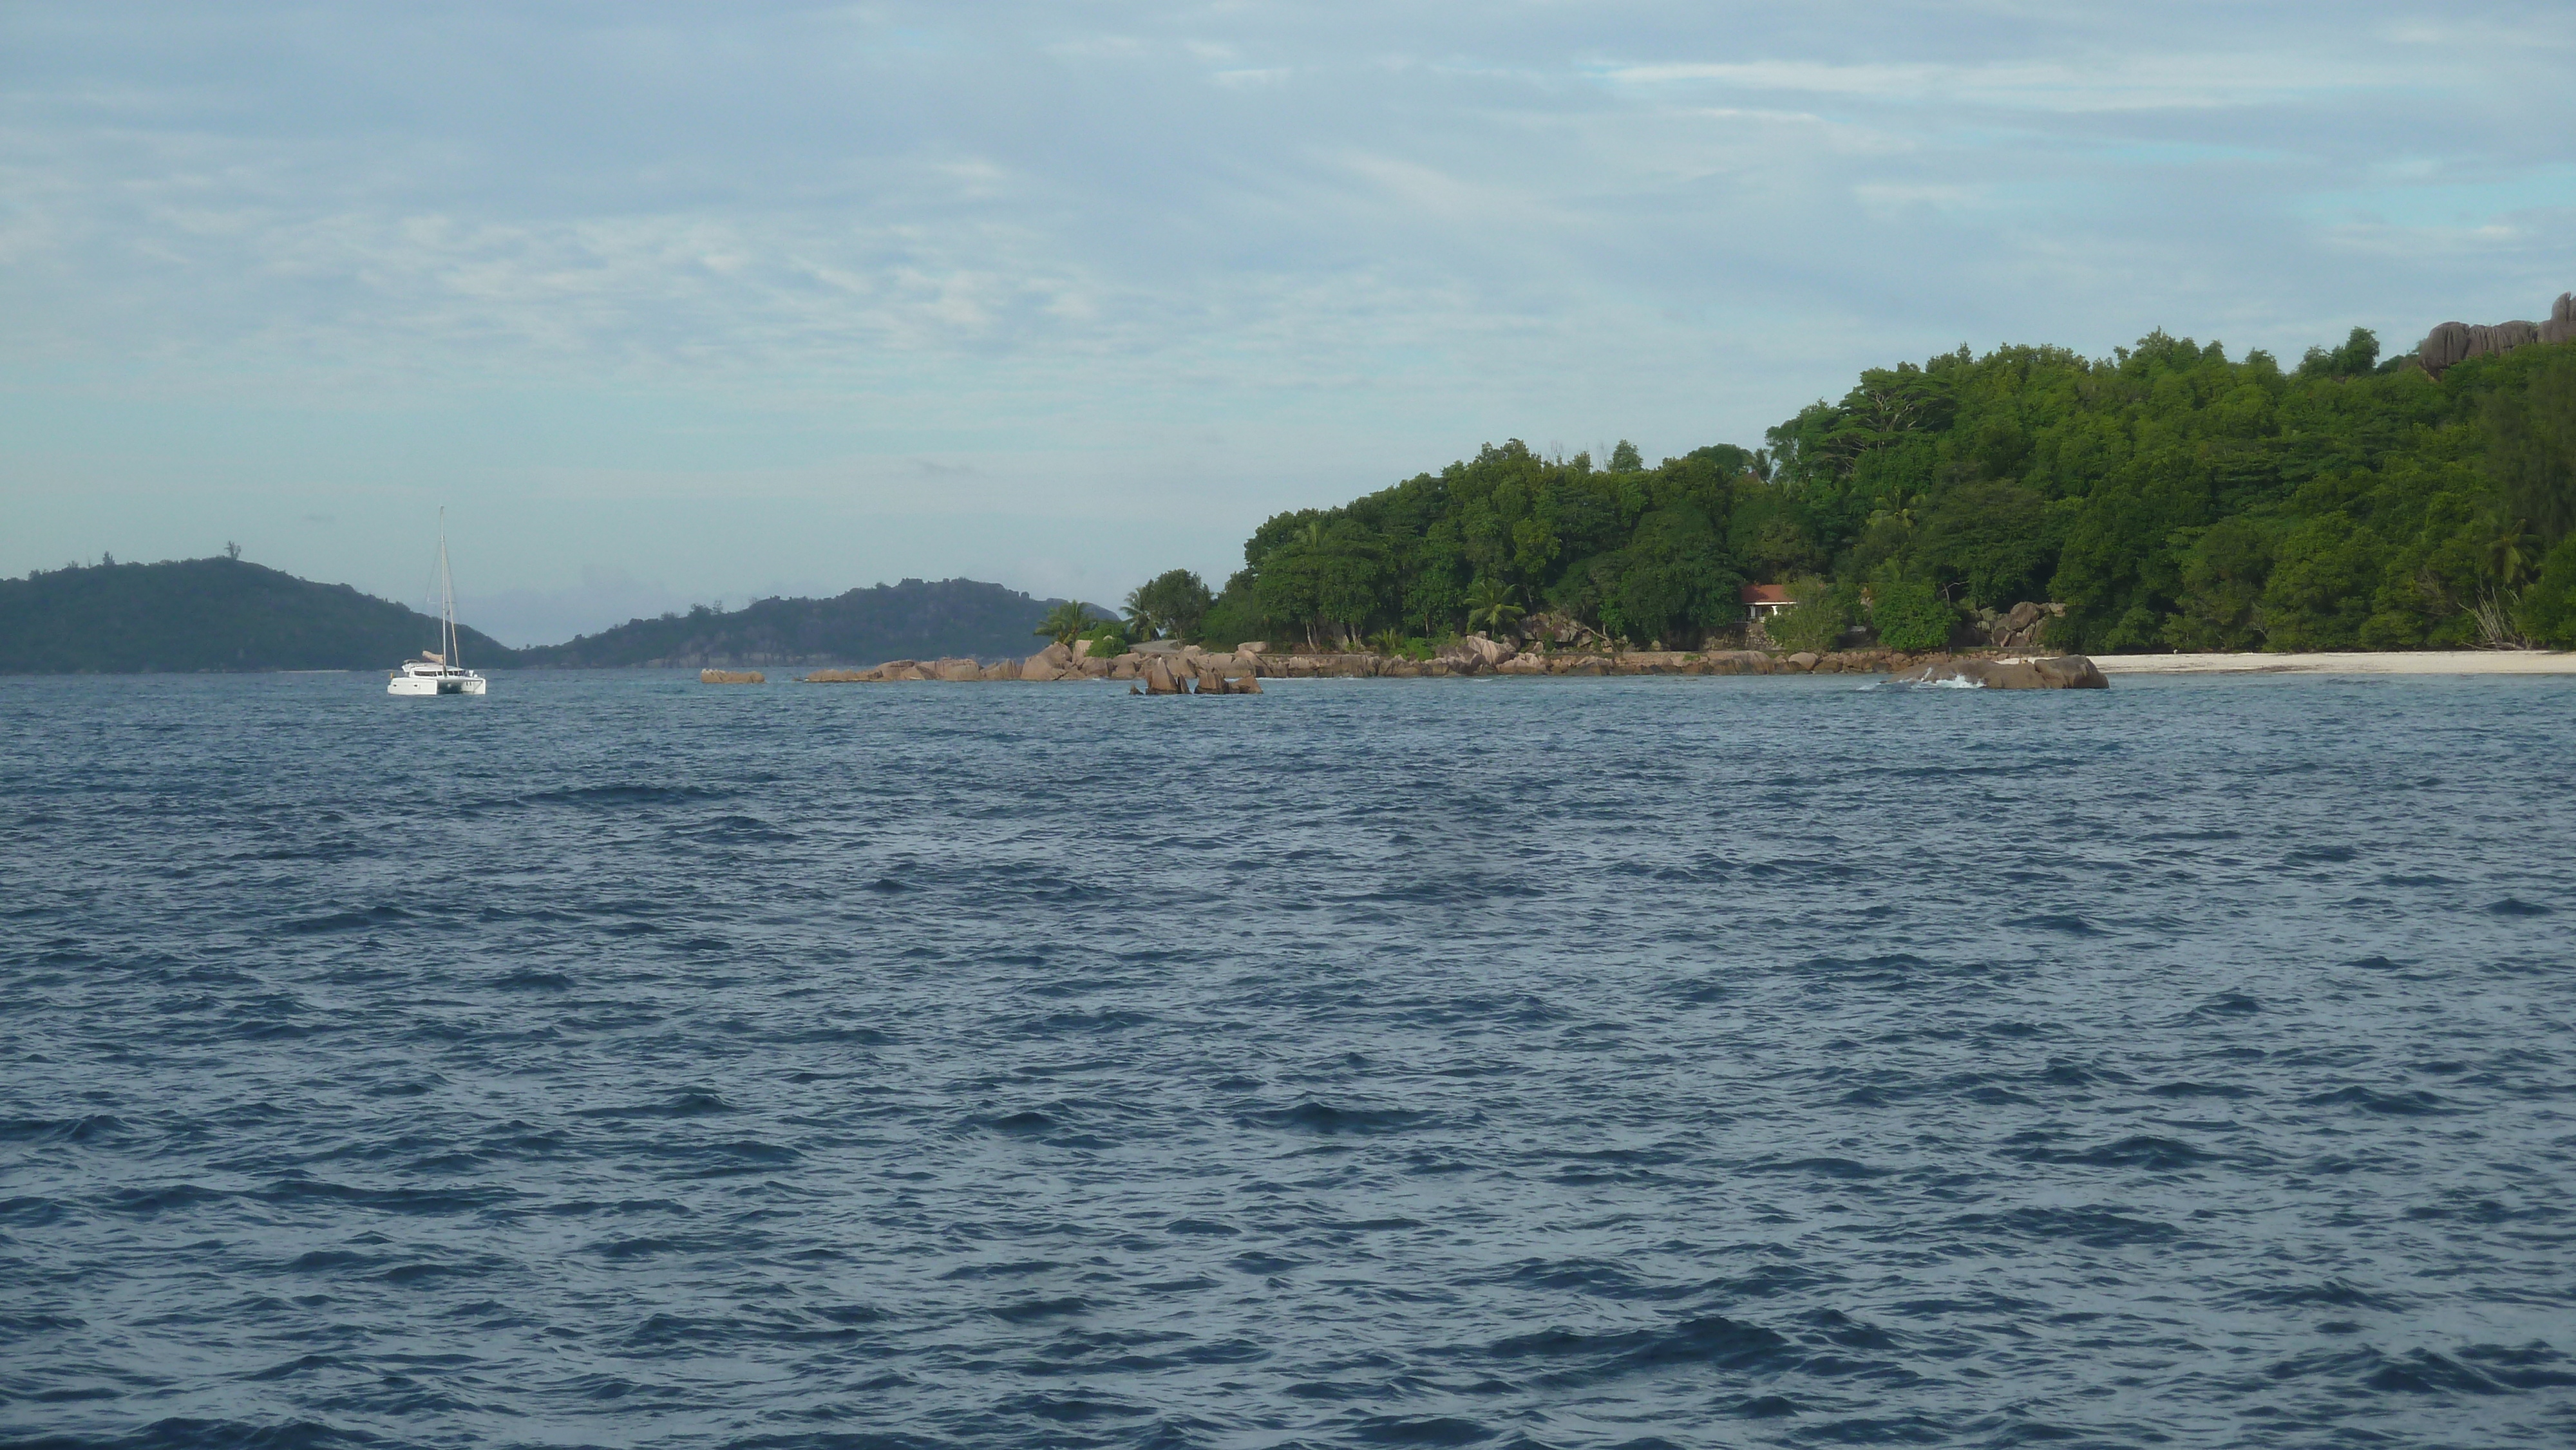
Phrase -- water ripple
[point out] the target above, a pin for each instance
(1655, 1062)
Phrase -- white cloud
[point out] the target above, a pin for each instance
(2125, 82)
(262, 257)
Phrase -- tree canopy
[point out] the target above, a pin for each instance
(2169, 496)
(1174, 602)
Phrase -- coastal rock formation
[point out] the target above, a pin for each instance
(1048, 664)
(1207, 675)
(1474, 655)
(2456, 342)
(1218, 682)
(2060, 672)
(1189, 669)
(732, 677)
(1563, 630)
(1738, 662)
(890, 670)
(2022, 626)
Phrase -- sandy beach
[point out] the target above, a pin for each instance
(2382, 662)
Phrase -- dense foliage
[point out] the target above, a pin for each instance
(1065, 623)
(1175, 603)
(196, 615)
(2170, 497)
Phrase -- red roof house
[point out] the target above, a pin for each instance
(1761, 601)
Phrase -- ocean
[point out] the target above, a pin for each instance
(620, 1061)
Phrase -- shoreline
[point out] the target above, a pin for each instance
(1242, 671)
(2357, 662)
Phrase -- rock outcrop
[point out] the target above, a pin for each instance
(732, 677)
(1562, 629)
(2058, 672)
(2020, 627)
(1189, 669)
(2451, 343)
(1475, 654)
(1050, 663)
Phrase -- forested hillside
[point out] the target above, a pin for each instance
(910, 620)
(2170, 496)
(208, 614)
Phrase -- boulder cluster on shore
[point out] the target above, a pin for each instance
(1165, 669)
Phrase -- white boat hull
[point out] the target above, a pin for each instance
(435, 682)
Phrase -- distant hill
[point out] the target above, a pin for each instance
(911, 620)
(192, 615)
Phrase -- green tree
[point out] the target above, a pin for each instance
(1065, 623)
(2512, 551)
(1327, 578)
(1171, 603)
(2358, 355)
(2319, 592)
(1674, 580)
(2531, 443)
(1235, 616)
(1815, 619)
(1909, 614)
(2223, 574)
(2548, 608)
(1993, 538)
(1492, 607)
(1108, 637)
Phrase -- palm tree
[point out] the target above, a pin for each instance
(1065, 622)
(2510, 551)
(1140, 620)
(1899, 511)
(1493, 604)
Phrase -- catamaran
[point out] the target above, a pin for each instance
(438, 671)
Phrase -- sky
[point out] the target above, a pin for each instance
(674, 303)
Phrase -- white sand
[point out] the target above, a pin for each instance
(2385, 662)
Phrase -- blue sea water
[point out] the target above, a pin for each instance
(1651, 1062)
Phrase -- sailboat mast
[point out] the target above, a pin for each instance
(446, 599)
